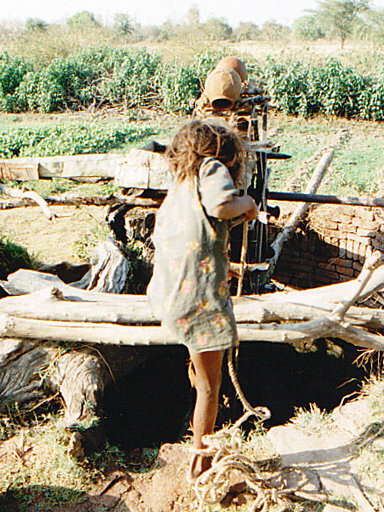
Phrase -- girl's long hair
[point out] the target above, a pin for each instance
(201, 139)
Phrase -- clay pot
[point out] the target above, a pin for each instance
(222, 87)
(235, 64)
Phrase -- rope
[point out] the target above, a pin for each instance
(269, 488)
(261, 412)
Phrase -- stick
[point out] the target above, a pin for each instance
(243, 259)
(28, 194)
(301, 210)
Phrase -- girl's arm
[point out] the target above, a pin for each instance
(235, 207)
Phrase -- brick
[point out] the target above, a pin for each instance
(349, 249)
(327, 266)
(377, 245)
(330, 224)
(348, 228)
(345, 210)
(366, 215)
(327, 273)
(356, 238)
(342, 262)
(366, 232)
(356, 221)
(357, 266)
(356, 246)
(344, 220)
(362, 257)
(342, 248)
(345, 271)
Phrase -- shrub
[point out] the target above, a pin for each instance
(133, 79)
(179, 85)
(12, 72)
(332, 89)
(69, 139)
(12, 258)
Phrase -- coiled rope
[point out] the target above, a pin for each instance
(224, 446)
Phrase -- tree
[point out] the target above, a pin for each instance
(247, 31)
(217, 29)
(341, 16)
(308, 28)
(35, 25)
(122, 24)
(193, 16)
(82, 20)
(273, 31)
(372, 26)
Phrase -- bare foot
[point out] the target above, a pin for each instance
(199, 464)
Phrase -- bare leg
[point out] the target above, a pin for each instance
(207, 381)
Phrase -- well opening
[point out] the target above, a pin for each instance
(154, 403)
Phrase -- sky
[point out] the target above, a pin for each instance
(155, 12)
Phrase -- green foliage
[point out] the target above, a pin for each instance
(178, 87)
(340, 16)
(82, 20)
(132, 79)
(122, 24)
(70, 139)
(12, 72)
(12, 258)
(247, 31)
(95, 76)
(105, 77)
(36, 25)
(308, 28)
(180, 84)
(332, 89)
(217, 29)
(273, 31)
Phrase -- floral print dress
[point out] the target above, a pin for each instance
(189, 288)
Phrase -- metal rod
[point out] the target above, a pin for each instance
(325, 199)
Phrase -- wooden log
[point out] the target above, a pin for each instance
(51, 304)
(84, 201)
(33, 371)
(109, 269)
(144, 169)
(300, 211)
(112, 334)
(26, 281)
(29, 194)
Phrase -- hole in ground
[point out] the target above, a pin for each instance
(153, 404)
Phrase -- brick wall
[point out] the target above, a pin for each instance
(329, 246)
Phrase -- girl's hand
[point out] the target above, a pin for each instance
(235, 207)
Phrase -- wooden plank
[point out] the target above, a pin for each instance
(20, 172)
(75, 166)
(144, 169)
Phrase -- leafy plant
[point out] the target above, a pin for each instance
(69, 139)
(178, 87)
(12, 258)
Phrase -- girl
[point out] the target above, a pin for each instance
(189, 288)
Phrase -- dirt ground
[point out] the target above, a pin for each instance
(164, 488)
(66, 238)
